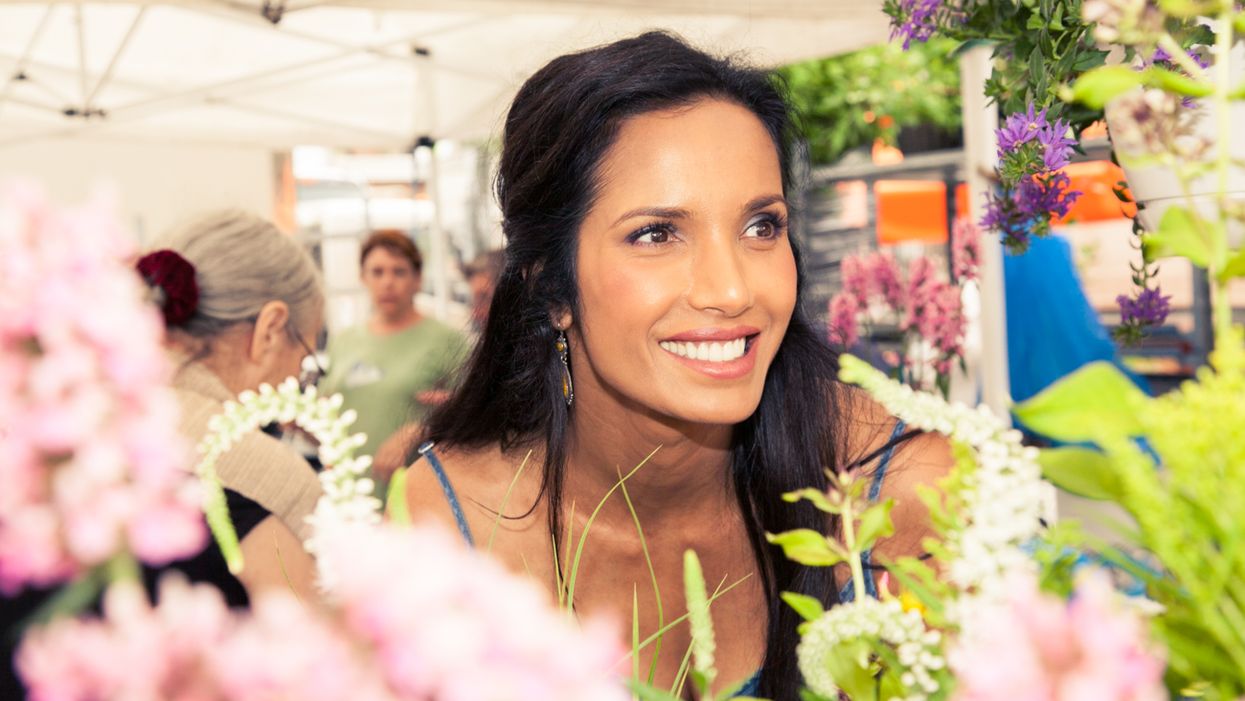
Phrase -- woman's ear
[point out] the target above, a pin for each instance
(270, 329)
(561, 318)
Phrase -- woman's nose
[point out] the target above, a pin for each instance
(720, 277)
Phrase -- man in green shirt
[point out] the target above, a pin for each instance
(399, 364)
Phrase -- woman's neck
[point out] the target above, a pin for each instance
(677, 471)
(386, 324)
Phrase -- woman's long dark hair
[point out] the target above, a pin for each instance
(563, 120)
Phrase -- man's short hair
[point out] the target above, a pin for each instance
(397, 243)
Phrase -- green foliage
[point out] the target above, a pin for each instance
(809, 608)
(396, 508)
(1099, 86)
(1095, 403)
(1081, 471)
(875, 523)
(1188, 508)
(850, 100)
(1040, 46)
(808, 547)
(703, 645)
(1181, 233)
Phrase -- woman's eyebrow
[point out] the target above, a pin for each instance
(764, 201)
(659, 212)
(679, 213)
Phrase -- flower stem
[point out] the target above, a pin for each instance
(1181, 58)
(849, 539)
(1222, 309)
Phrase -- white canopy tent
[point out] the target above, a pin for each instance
(379, 74)
(351, 74)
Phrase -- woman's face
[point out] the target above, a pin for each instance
(686, 277)
(391, 281)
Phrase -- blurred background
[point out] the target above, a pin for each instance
(339, 118)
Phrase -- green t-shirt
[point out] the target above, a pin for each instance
(380, 376)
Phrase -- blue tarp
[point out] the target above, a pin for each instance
(1051, 328)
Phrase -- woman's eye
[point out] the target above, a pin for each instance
(652, 235)
(765, 228)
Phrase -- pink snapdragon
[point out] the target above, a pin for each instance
(924, 307)
(965, 249)
(415, 616)
(90, 456)
(1040, 648)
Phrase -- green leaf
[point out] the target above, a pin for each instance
(1035, 22)
(1181, 233)
(818, 497)
(1097, 87)
(1183, 9)
(1081, 471)
(805, 546)
(848, 665)
(1235, 267)
(808, 607)
(1095, 402)
(648, 693)
(875, 523)
(1178, 83)
(396, 507)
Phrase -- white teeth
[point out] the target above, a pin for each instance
(713, 352)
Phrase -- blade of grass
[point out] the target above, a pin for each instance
(718, 593)
(680, 679)
(583, 537)
(504, 501)
(396, 508)
(652, 573)
(635, 633)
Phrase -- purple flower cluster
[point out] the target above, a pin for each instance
(1149, 308)
(1032, 150)
(914, 19)
(1162, 57)
(1032, 126)
(1164, 60)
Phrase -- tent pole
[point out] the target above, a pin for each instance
(438, 245)
(980, 121)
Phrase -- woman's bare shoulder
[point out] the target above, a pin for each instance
(481, 478)
(916, 459)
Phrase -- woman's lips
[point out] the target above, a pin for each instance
(725, 357)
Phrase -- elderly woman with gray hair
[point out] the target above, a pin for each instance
(240, 301)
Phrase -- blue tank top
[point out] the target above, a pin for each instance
(847, 593)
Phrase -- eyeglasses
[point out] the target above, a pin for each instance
(310, 370)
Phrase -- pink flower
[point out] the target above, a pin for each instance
(855, 277)
(844, 328)
(884, 279)
(1040, 648)
(90, 453)
(415, 616)
(965, 248)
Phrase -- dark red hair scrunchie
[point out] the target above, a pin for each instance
(175, 276)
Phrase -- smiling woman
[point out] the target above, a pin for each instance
(644, 189)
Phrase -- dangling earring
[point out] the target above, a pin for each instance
(568, 387)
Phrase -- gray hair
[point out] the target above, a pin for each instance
(243, 262)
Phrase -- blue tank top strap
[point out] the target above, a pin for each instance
(848, 593)
(426, 451)
(750, 688)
